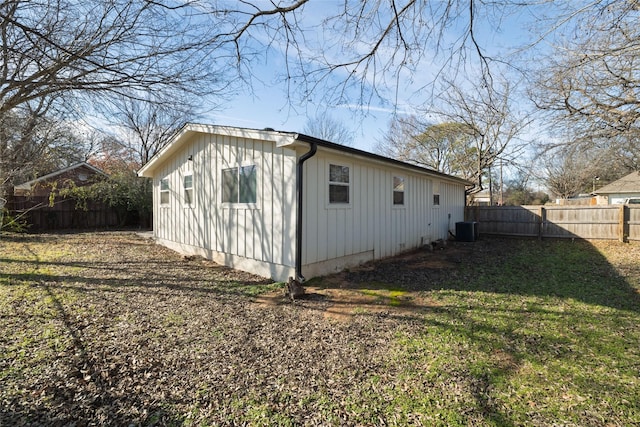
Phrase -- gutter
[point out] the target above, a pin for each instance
(299, 193)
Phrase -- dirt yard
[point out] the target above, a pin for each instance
(140, 331)
(111, 329)
(389, 287)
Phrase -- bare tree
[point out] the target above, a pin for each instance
(567, 176)
(356, 50)
(144, 126)
(476, 126)
(592, 83)
(89, 48)
(572, 169)
(59, 60)
(32, 144)
(75, 53)
(325, 126)
(351, 52)
(445, 147)
(492, 123)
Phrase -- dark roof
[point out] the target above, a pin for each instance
(27, 185)
(367, 154)
(280, 137)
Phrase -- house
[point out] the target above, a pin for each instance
(32, 202)
(482, 198)
(77, 174)
(627, 187)
(283, 204)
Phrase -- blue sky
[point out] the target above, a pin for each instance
(266, 105)
(269, 109)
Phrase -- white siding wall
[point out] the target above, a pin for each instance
(371, 226)
(451, 209)
(256, 237)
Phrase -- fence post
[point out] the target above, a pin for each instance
(542, 217)
(2, 203)
(623, 223)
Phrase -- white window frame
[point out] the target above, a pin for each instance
(164, 191)
(189, 201)
(436, 195)
(403, 191)
(237, 168)
(331, 183)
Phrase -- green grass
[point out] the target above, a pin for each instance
(391, 297)
(541, 333)
(549, 330)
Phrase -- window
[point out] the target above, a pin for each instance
(338, 184)
(398, 190)
(239, 185)
(187, 183)
(436, 200)
(164, 191)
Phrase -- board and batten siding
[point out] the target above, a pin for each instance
(256, 237)
(370, 226)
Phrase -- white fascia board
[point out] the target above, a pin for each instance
(280, 138)
(290, 140)
(170, 147)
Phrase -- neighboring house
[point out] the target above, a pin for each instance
(78, 174)
(33, 205)
(282, 204)
(627, 187)
(481, 198)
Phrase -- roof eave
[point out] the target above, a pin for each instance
(280, 138)
(27, 185)
(381, 159)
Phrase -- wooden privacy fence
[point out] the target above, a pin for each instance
(620, 222)
(64, 214)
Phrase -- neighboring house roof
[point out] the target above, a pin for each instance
(282, 139)
(29, 184)
(626, 184)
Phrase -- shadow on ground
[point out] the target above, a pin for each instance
(571, 269)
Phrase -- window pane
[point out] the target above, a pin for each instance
(230, 185)
(248, 184)
(398, 190)
(339, 173)
(338, 193)
(398, 197)
(188, 181)
(164, 191)
(436, 200)
(188, 188)
(398, 183)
